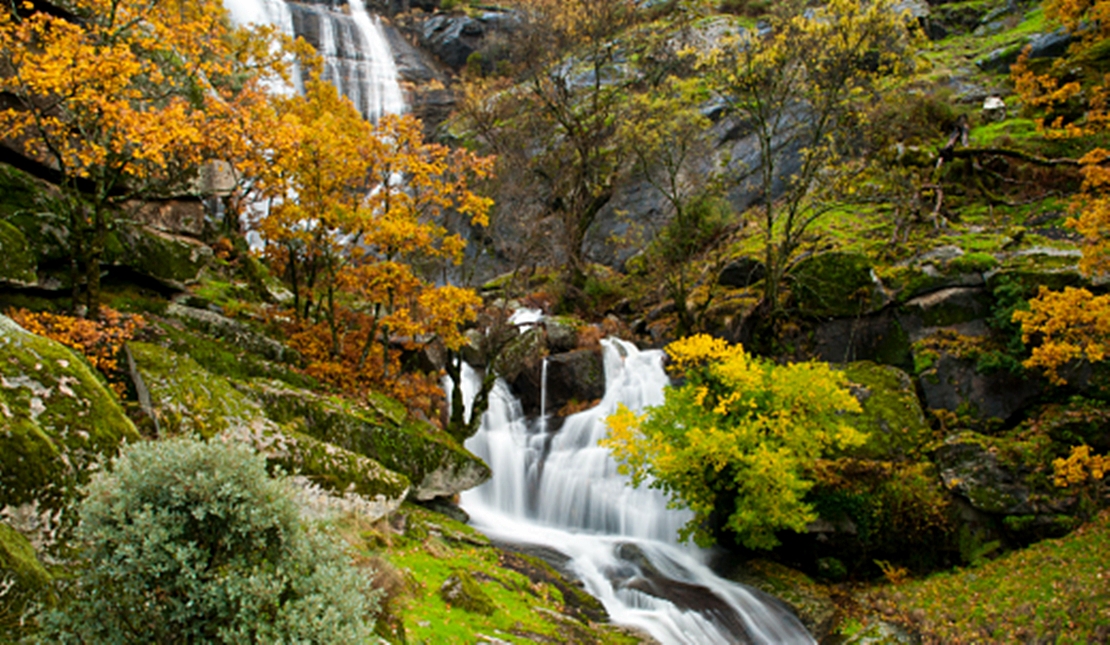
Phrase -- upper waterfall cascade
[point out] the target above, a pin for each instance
(562, 491)
(353, 45)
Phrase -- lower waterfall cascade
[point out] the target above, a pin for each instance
(562, 492)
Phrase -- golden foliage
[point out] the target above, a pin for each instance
(1079, 467)
(742, 431)
(1072, 324)
(100, 341)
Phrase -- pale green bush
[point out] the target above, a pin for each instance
(192, 542)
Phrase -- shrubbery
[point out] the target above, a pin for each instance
(192, 542)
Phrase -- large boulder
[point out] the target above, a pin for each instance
(24, 582)
(572, 379)
(186, 398)
(436, 464)
(57, 420)
(174, 260)
(891, 413)
(17, 263)
(970, 467)
(955, 383)
(452, 37)
(836, 284)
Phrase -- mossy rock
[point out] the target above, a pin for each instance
(172, 259)
(463, 591)
(232, 361)
(57, 420)
(892, 414)
(436, 464)
(810, 600)
(835, 284)
(187, 399)
(18, 191)
(23, 581)
(46, 236)
(1041, 266)
(17, 264)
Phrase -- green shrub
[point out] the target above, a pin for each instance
(191, 542)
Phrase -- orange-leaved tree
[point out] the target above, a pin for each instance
(357, 225)
(1073, 93)
(110, 95)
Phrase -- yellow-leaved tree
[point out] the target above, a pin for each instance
(737, 439)
(357, 226)
(1073, 93)
(112, 96)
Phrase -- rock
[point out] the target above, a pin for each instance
(452, 38)
(960, 309)
(742, 272)
(954, 383)
(172, 259)
(24, 582)
(994, 109)
(562, 334)
(1031, 268)
(969, 469)
(173, 216)
(1051, 45)
(462, 590)
(17, 263)
(891, 416)
(57, 420)
(836, 284)
(879, 337)
(573, 378)
(187, 399)
(46, 236)
(436, 464)
(810, 601)
(999, 60)
(231, 331)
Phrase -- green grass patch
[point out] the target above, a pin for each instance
(1054, 591)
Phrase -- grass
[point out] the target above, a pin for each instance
(1054, 591)
(532, 603)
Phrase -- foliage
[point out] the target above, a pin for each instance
(358, 228)
(100, 340)
(1083, 470)
(1073, 324)
(187, 541)
(1050, 592)
(806, 84)
(113, 96)
(740, 437)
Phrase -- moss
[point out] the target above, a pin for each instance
(46, 235)
(16, 262)
(835, 284)
(164, 256)
(57, 419)
(228, 360)
(810, 600)
(431, 459)
(891, 416)
(24, 582)
(461, 590)
(188, 399)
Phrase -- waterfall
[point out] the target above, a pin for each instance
(356, 54)
(564, 492)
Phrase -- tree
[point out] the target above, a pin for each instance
(186, 542)
(111, 95)
(665, 133)
(357, 227)
(804, 85)
(1074, 324)
(737, 439)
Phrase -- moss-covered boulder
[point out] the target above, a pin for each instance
(952, 381)
(172, 259)
(17, 264)
(891, 415)
(23, 581)
(970, 467)
(46, 235)
(460, 589)
(56, 420)
(944, 267)
(1032, 268)
(836, 284)
(186, 398)
(436, 464)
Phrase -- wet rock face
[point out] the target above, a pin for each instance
(573, 378)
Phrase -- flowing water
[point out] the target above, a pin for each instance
(562, 491)
(355, 52)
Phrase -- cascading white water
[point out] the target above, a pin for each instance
(564, 492)
(356, 54)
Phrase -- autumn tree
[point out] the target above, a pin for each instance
(737, 439)
(111, 95)
(803, 85)
(356, 224)
(1073, 94)
(665, 134)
